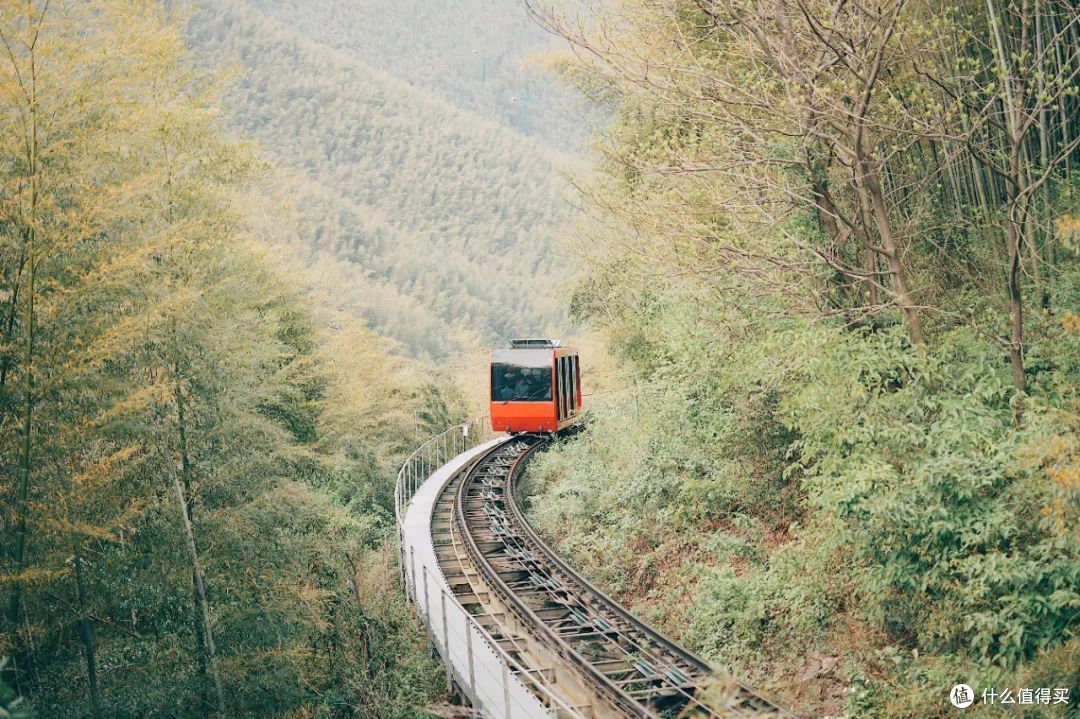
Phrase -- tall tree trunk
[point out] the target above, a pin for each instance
(9, 321)
(869, 255)
(869, 183)
(1031, 231)
(18, 551)
(1015, 200)
(1016, 307)
(200, 592)
(1044, 156)
(1014, 227)
(185, 472)
(830, 227)
(365, 640)
(1063, 99)
(86, 631)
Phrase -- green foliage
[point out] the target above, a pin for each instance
(771, 490)
(11, 704)
(917, 453)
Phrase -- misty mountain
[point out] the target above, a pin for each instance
(439, 221)
(481, 55)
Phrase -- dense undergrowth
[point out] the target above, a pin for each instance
(826, 511)
(833, 248)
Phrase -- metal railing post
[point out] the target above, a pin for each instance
(446, 643)
(472, 670)
(427, 605)
(401, 554)
(412, 570)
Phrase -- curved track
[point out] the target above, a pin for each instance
(600, 660)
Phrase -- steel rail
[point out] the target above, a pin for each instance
(676, 673)
(746, 698)
(550, 698)
(615, 694)
(524, 613)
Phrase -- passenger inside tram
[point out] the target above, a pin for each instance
(505, 391)
(541, 385)
(511, 383)
(523, 388)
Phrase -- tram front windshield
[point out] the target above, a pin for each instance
(523, 377)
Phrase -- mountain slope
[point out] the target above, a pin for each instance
(472, 53)
(426, 200)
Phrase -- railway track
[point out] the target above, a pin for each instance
(597, 659)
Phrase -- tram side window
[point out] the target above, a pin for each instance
(573, 381)
(561, 388)
(564, 382)
(514, 383)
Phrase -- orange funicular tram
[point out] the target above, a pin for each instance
(535, 386)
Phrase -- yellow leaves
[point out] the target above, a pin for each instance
(137, 401)
(1051, 458)
(294, 654)
(1068, 224)
(1068, 228)
(311, 595)
(96, 472)
(1062, 458)
(1071, 322)
(84, 530)
(1067, 477)
(31, 576)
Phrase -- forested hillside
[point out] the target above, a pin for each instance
(444, 221)
(480, 55)
(836, 255)
(197, 462)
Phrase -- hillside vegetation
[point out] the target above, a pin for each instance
(476, 54)
(836, 255)
(198, 463)
(444, 220)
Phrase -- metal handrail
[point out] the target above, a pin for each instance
(418, 465)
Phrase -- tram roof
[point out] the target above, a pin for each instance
(533, 343)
